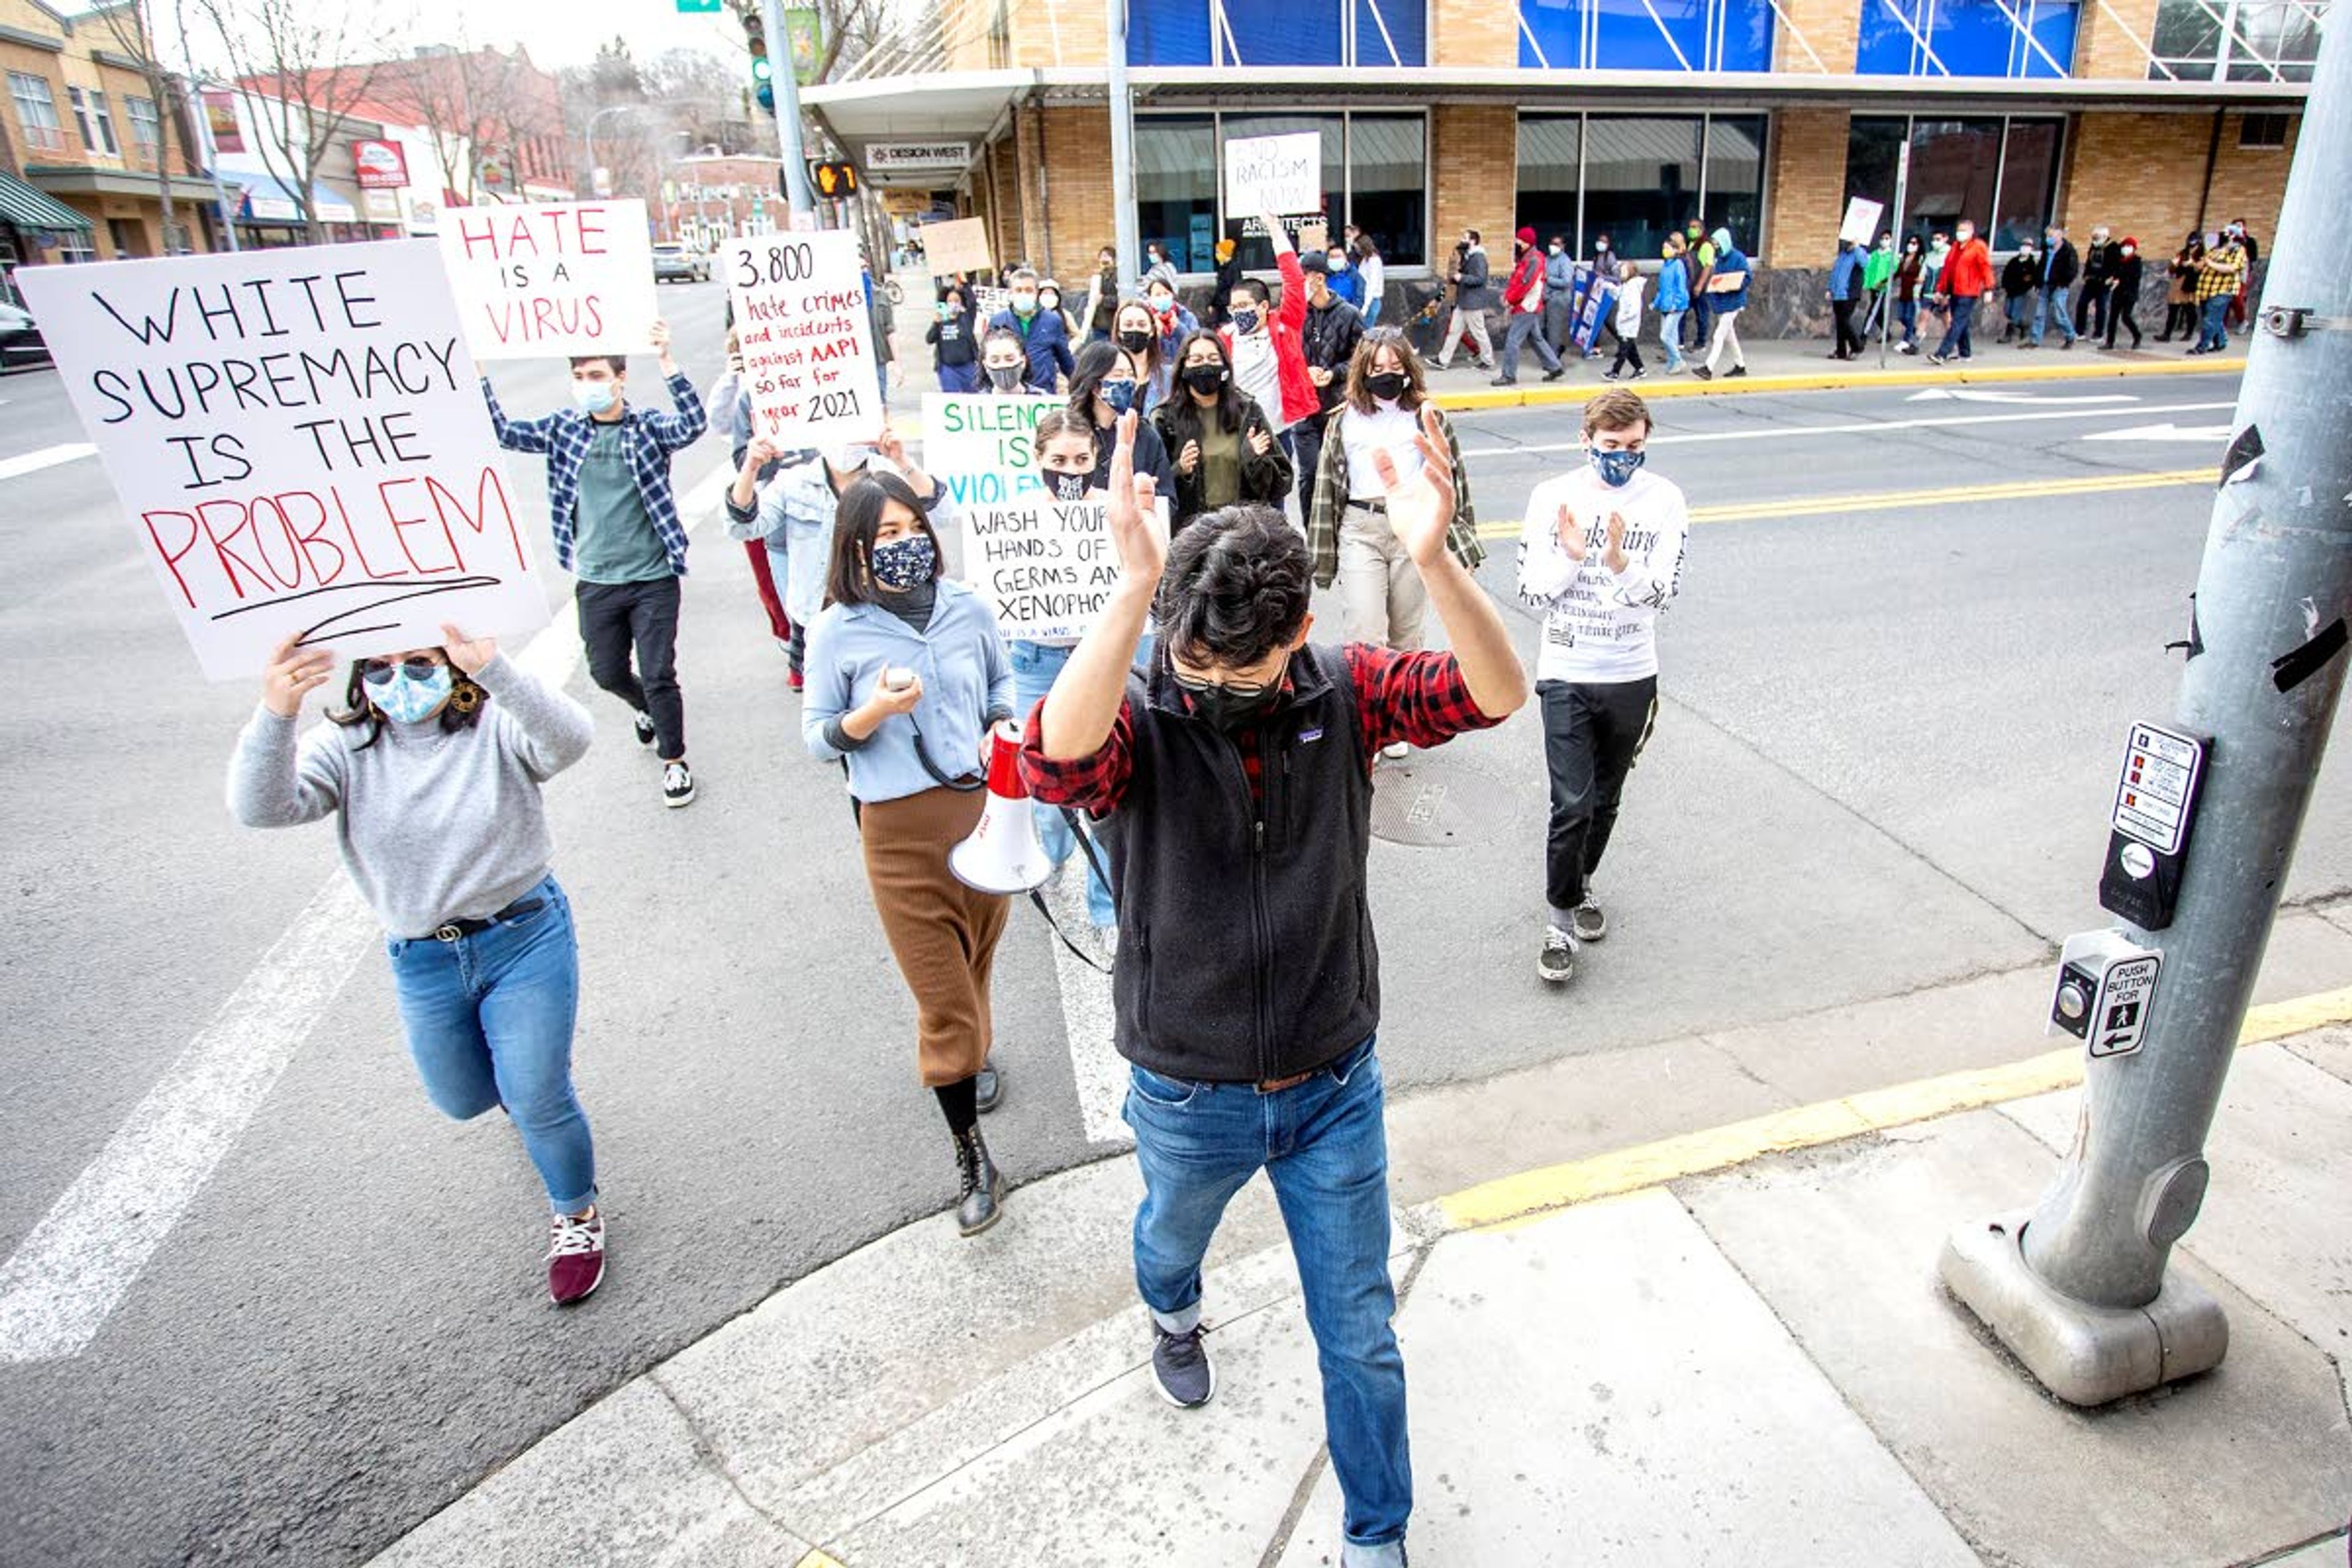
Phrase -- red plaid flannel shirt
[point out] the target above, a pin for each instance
(1419, 699)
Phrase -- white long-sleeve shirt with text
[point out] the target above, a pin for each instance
(1601, 626)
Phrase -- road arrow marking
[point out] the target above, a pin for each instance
(2167, 431)
(1965, 395)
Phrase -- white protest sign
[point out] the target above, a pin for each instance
(1861, 224)
(541, 280)
(298, 437)
(808, 342)
(1275, 175)
(983, 451)
(959, 245)
(1045, 568)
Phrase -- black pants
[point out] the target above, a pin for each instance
(1591, 736)
(2180, 317)
(2123, 310)
(1629, 351)
(2091, 304)
(1849, 342)
(616, 618)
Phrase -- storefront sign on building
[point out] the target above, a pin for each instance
(807, 340)
(381, 165)
(904, 157)
(298, 438)
(556, 278)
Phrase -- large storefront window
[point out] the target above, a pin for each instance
(1294, 33)
(1639, 176)
(1375, 174)
(1176, 186)
(1645, 34)
(2236, 40)
(1966, 38)
(1983, 170)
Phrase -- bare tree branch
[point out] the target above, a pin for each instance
(290, 57)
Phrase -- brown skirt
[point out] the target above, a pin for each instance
(942, 933)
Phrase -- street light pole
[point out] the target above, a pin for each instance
(588, 138)
(1122, 148)
(2078, 1289)
(785, 76)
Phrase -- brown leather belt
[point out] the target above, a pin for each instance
(1277, 1085)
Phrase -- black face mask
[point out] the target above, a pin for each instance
(1067, 486)
(1134, 340)
(1229, 710)
(1388, 386)
(1204, 378)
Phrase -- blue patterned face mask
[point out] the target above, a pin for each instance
(405, 699)
(1119, 395)
(1615, 468)
(903, 563)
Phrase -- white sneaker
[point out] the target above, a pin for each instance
(678, 783)
(1396, 751)
(1557, 961)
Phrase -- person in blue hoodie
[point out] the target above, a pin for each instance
(1044, 332)
(1845, 295)
(1345, 281)
(1674, 299)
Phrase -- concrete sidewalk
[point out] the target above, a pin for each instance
(1725, 1345)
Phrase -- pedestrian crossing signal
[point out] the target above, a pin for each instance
(833, 179)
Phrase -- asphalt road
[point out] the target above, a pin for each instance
(1883, 762)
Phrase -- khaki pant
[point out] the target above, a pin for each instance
(1382, 600)
(1475, 322)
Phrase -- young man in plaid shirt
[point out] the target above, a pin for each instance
(616, 528)
(1234, 783)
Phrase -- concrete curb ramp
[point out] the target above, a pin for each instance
(1724, 1348)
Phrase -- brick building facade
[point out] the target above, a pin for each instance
(1585, 121)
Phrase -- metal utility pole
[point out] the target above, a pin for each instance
(1122, 149)
(785, 78)
(2078, 1289)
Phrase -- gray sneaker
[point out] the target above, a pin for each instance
(1591, 924)
(1179, 1364)
(1557, 961)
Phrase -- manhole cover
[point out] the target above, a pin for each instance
(1440, 804)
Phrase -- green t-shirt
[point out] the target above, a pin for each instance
(1877, 269)
(1221, 463)
(615, 540)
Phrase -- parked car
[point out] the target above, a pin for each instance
(20, 339)
(676, 264)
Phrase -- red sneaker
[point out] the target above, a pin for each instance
(798, 680)
(576, 1256)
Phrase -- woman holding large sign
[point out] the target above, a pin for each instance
(432, 769)
(907, 675)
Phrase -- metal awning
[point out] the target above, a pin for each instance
(29, 207)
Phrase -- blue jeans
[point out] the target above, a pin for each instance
(489, 1018)
(1371, 312)
(1670, 332)
(1907, 313)
(2213, 329)
(1034, 665)
(1956, 337)
(1322, 1145)
(2053, 304)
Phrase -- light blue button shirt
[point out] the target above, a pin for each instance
(966, 673)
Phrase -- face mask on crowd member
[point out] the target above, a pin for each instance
(1617, 454)
(1912, 244)
(1967, 232)
(1559, 247)
(1134, 330)
(1065, 455)
(1049, 300)
(1337, 261)
(1248, 320)
(1024, 301)
(1204, 371)
(1163, 303)
(409, 688)
(905, 561)
(2131, 246)
(597, 382)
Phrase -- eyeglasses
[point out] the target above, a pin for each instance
(1245, 690)
(380, 672)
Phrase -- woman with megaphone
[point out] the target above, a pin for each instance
(908, 675)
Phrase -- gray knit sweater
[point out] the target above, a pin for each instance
(433, 826)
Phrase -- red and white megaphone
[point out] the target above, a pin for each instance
(1003, 854)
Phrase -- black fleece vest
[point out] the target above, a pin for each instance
(1246, 948)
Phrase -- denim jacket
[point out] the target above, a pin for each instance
(967, 676)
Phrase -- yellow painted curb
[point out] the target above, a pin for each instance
(1532, 1194)
(1652, 388)
(817, 1559)
(1889, 500)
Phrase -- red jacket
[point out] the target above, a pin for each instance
(1527, 274)
(1968, 270)
(1299, 397)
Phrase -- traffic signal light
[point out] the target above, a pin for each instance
(833, 179)
(755, 38)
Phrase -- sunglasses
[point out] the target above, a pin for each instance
(380, 672)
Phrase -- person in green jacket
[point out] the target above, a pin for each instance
(1875, 270)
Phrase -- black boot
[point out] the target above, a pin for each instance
(988, 1089)
(984, 1184)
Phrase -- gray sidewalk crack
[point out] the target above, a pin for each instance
(712, 1457)
(1303, 1493)
(1884, 832)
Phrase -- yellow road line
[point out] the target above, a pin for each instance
(1534, 1192)
(1892, 501)
(817, 1559)
(1653, 388)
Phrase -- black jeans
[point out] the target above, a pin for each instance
(1629, 351)
(1308, 443)
(1849, 341)
(616, 618)
(1591, 736)
(2123, 310)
